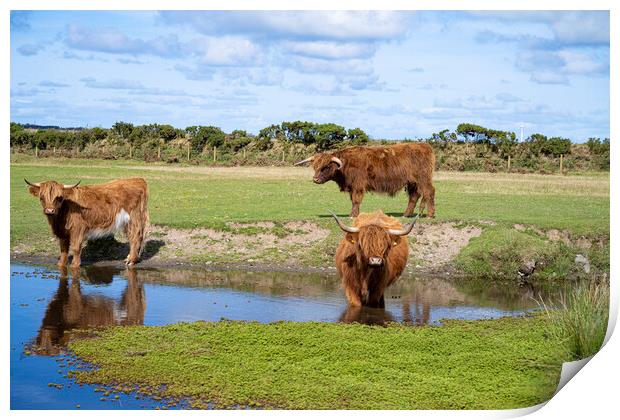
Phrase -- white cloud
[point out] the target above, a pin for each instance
(226, 51)
(337, 25)
(330, 49)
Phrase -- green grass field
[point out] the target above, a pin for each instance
(504, 363)
(186, 197)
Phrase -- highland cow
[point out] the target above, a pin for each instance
(383, 169)
(371, 256)
(77, 213)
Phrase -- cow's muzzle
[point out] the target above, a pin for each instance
(49, 211)
(375, 261)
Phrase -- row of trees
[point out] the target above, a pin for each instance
(503, 142)
(302, 133)
(325, 136)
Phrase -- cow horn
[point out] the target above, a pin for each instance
(337, 161)
(36, 184)
(344, 227)
(301, 162)
(404, 231)
(72, 186)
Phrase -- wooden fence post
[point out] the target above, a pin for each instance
(36, 150)
(561, 163)
(244, 153)
(214, 153)
(54, 150)
(508, 163)
(282, 155)
(188, 152)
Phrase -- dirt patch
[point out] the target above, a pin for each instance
(272, 246)
(438, 244)
(244, 241)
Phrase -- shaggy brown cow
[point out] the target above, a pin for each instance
(371, 256)
(384, 169)
(76, 213)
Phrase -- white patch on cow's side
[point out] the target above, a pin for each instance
(120, 221)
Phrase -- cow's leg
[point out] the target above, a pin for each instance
(376, 300)
(134, 233)
(428, 197)
(414, 195)
(431, 202)
(64, 252)
(356, 199)
(352, 296)
(75, 245)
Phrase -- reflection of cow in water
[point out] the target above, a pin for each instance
(70, 309)
(366, 315)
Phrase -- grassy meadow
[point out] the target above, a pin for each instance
(187, 197)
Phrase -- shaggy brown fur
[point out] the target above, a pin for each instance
(364, 283)
(83, 212)
(70, 310)
(383, 169)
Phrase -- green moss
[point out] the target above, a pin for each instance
(504, 363)
(500, 252)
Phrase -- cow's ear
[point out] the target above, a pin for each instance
(34, 190)
(396, 239)
(351, 237)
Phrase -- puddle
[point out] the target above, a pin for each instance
(46, 306)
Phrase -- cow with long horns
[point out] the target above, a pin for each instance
(371, 256)
(383, 169)
(76, 213)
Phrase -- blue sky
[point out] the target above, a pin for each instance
(394, 74)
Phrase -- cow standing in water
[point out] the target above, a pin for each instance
(77, 213)
(383, 169)
(371, 256)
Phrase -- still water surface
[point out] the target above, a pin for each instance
(46, 305)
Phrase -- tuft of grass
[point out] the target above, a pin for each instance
(579, 318)
(490, 364)
(500, 252)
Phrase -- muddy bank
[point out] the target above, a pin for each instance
(295, 246)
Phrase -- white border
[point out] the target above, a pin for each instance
(592, 394)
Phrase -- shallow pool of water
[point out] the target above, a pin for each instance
(47, 304)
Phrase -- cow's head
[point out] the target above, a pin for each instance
(325, 166)
(51, 194)
(372, 243)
